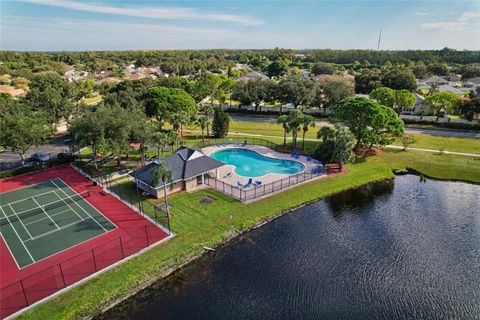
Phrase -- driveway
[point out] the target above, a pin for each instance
(9, 160)
(319, 123)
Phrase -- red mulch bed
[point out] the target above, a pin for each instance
(375, 151)
(333, 169)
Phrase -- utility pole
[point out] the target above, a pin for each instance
(379, 38)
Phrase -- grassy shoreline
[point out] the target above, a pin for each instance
(197, 226)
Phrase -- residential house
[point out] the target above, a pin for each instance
(253, 75)
(435, 79)
(472, 82)
(448, 88)
(188, 167)
(242, 66)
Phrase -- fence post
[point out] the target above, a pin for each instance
(263, 189)
(146, 234)
(24, 293)
(121, 247)
(94, 261)
(63, 277)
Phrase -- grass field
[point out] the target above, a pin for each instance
(423, 140)
(197, 226)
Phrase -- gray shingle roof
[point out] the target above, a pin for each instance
(185, 164)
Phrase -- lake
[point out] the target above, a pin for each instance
(399, 249)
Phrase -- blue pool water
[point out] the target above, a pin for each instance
(252, 164)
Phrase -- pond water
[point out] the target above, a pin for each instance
(401, 249)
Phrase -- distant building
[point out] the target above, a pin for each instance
(472, 82)
(435, 79)
(242, 66)
(454, 77)
(448, 88)
(253, 75)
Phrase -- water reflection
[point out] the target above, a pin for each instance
(390, 250)
(359, 198)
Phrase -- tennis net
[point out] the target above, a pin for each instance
(42, 208)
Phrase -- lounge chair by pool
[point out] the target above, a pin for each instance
(257, 183)
(249, 183)
(309, 158)
(239, 184)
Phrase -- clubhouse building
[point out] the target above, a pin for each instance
(188, 167)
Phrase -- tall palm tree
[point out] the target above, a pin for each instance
(160, 140)
(202, 122)
(174, 139)
(176, 119)
(208, 111)
(307, 122)
(294, 120)
(163, 173)
(283, 120)
(185, 119)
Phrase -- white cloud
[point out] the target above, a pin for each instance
(466, 16)
(462, 23)
(423, 14)
(170, 13)
(26, 33)
(443, 25)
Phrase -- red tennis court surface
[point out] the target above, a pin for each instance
(23, 287)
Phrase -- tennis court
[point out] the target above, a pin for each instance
(43, 219)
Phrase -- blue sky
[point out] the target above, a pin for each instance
(121, 25)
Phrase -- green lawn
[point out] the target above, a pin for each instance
(423, 140)
(94, 99)
(446, 143)
(199, 225)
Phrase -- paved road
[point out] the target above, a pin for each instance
(433, 132)
(10, 160)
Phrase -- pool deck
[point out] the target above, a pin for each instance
(265, 151)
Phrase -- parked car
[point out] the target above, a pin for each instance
(40, 157)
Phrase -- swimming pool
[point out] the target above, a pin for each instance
(249, 163)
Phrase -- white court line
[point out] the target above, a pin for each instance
(46, 204)
(69, 205)
(81, 207)
(23, 244)
(38, 204)
(52, 231)
(20, 220)
(56, 214)
(91, 205)
(25, 199)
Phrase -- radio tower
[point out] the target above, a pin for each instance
(379, 38)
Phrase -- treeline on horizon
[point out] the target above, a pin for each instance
(223, 58)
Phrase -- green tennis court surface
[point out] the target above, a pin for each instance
(43, 219)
